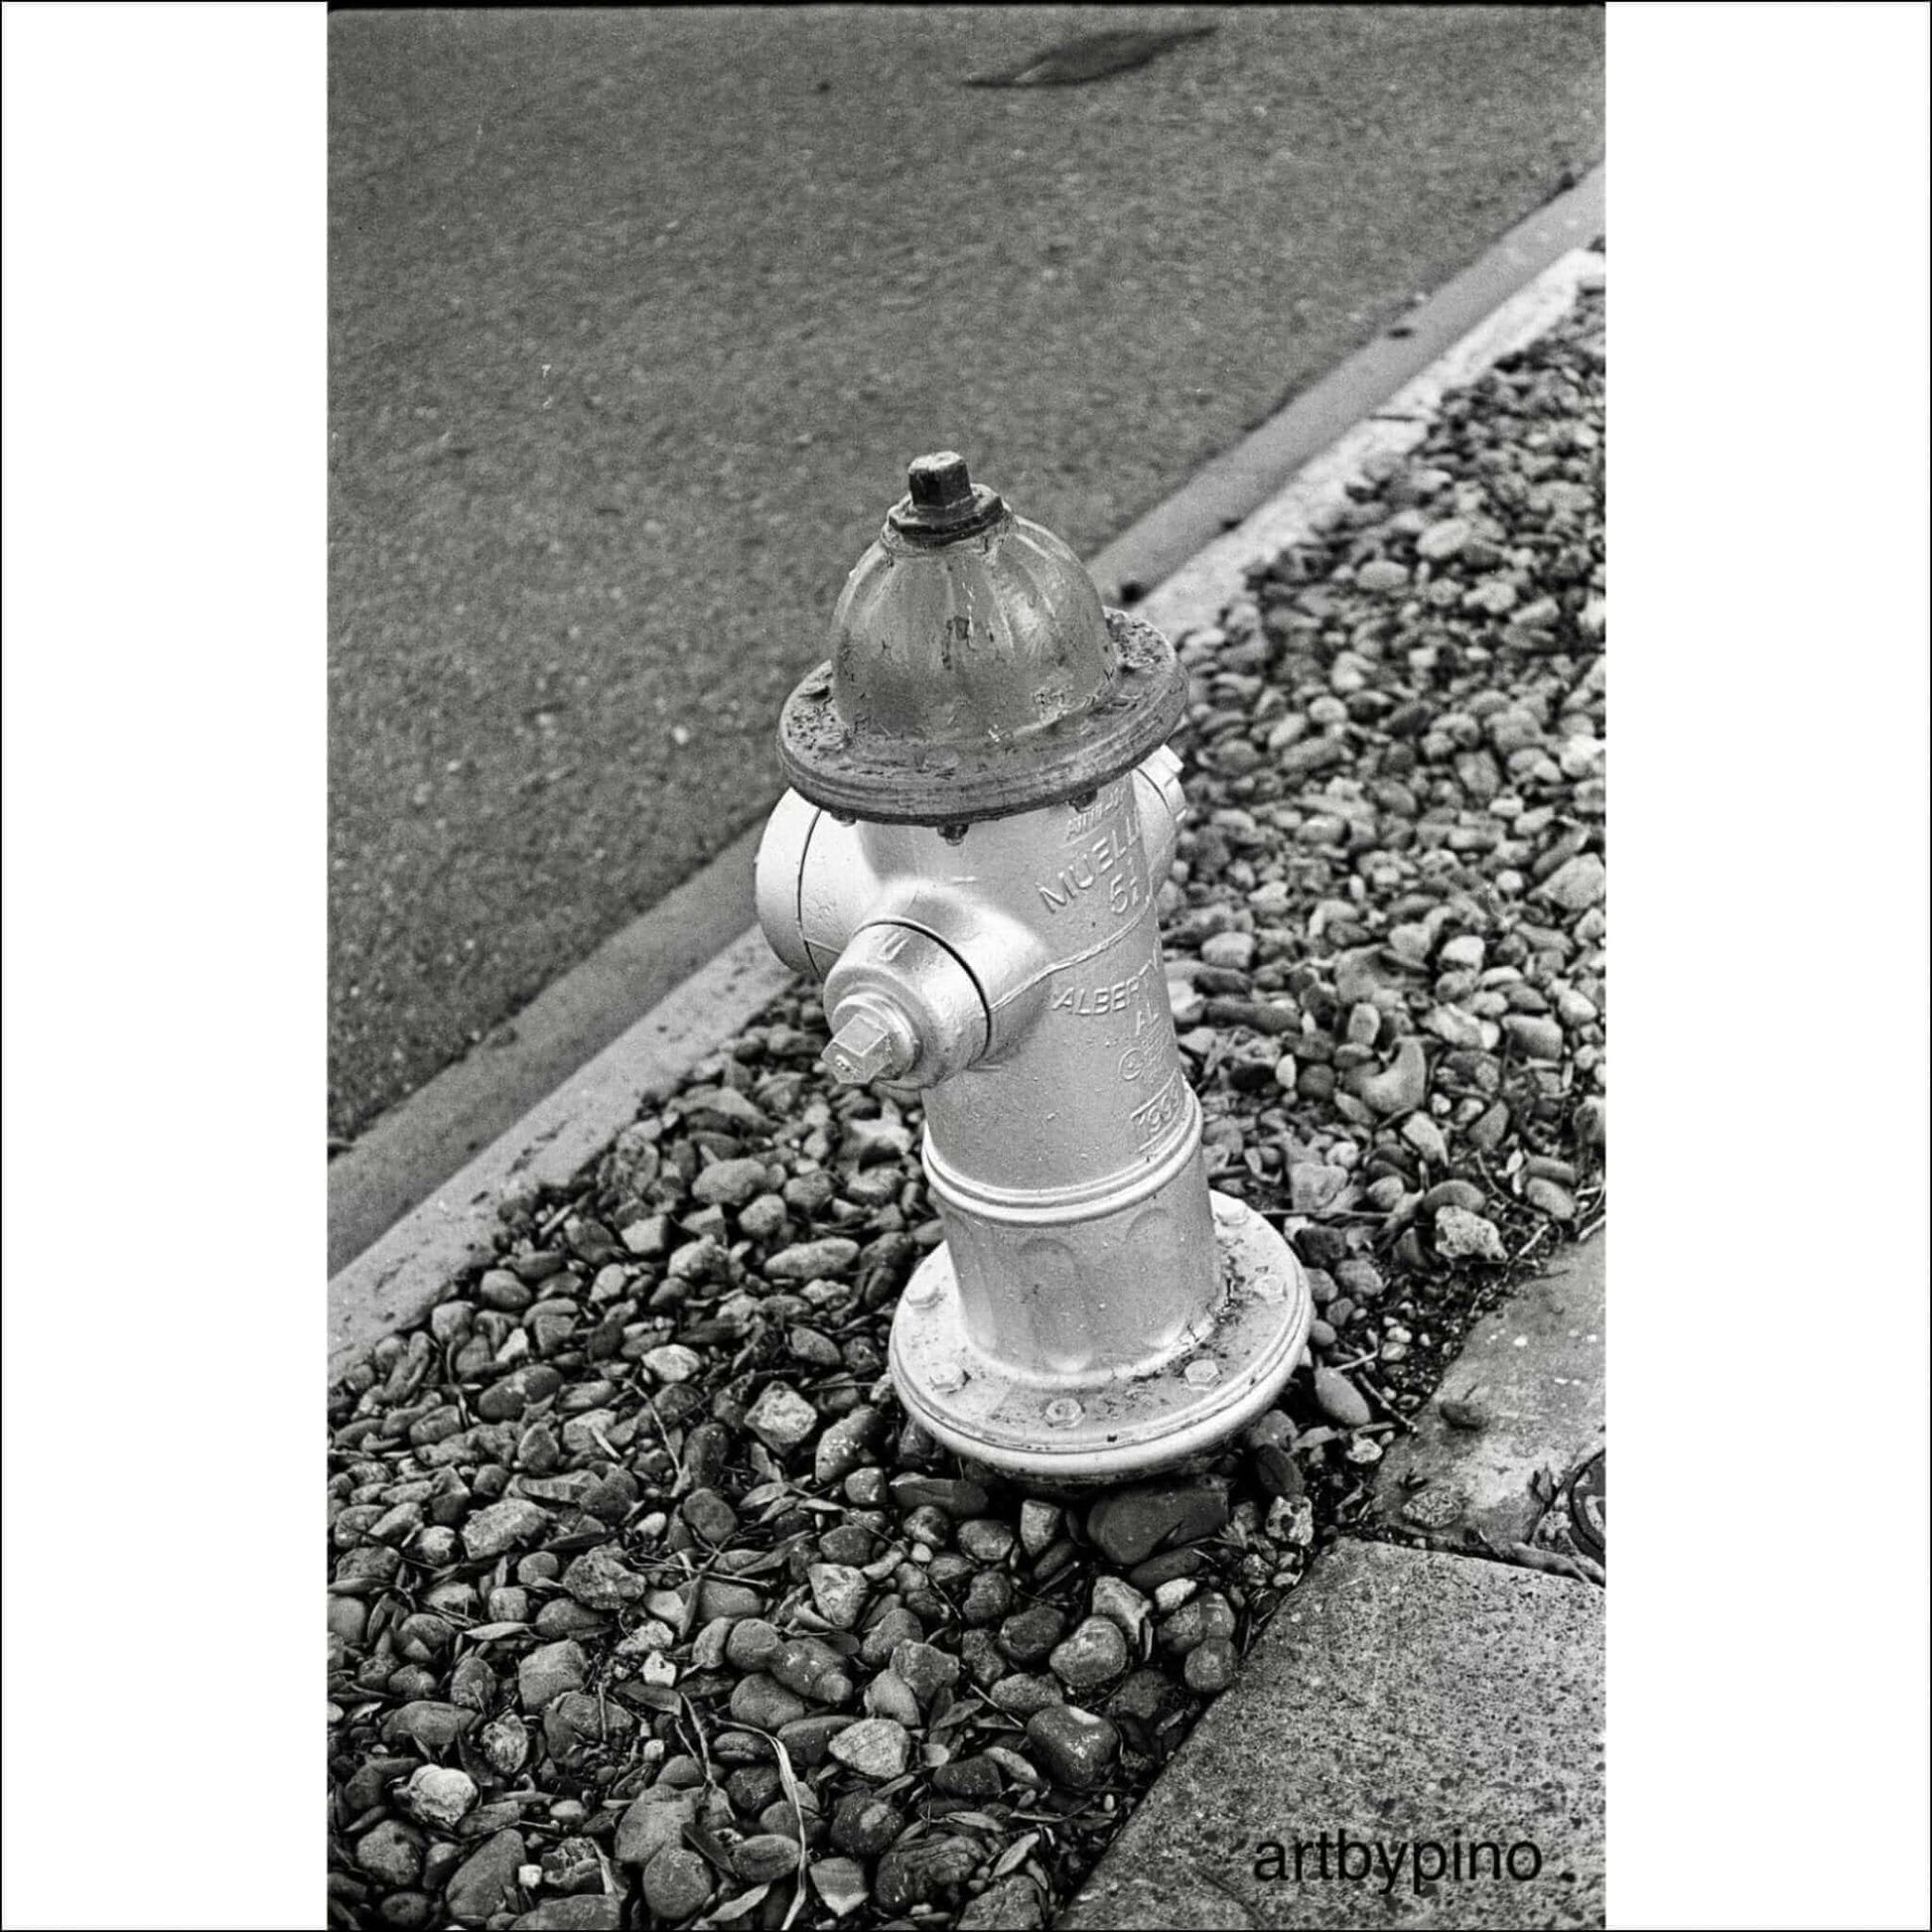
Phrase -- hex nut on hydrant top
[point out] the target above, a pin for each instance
(983, 808)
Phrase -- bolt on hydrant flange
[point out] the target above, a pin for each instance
(983, 810)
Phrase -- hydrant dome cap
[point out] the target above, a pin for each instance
(975, 672)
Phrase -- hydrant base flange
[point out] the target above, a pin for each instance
(1109, 1430)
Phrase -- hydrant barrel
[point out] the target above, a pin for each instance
(984, 811)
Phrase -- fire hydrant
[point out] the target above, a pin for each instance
(983, 808)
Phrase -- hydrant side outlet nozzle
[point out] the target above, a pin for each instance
(1095, 1309)
(870, 1046)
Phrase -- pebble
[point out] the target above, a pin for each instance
(438, 1795)
(765, 1702)
(839, 1593)
(840, 1884)
(890, 1695)
(391, 1852)
(1534, 1034)
(1210, 1666)
(1401, 1086)
(1171, 1594)
(709, 1515)
(752, 1643)
(1339, 1400)
(505, 1743)
(986, 1540)
(810, 1261)
(864, 1825)
(1313, 1185)
(1460, 1234)
(954, 1497)
(926, 1670)
(1040, 1525)
(1024, 1693)
(1094, 1654)
(1442, 541)
(427, 1723)
(1290, 1520)
(654, 1822)
(601, 1580)
(677, 1884)
(1120, 1604)
(845, 1445)
(1576, 884)
(580, 1912)
(549, 1671)
(1029, 1635)
(763, 1857)
(909, 1875)
(1236, 949)
(1130, 1524)
(1381, 574)
(484, 1881)
(875, 1747)
(672, 1362)
(765, 1218)
(989, 1597)
(501, 1527)
(730, 1183)
(1194, 1621)
(1550, 1197)
(976, 1779)
(1008, 1904)
(1074, 1746)
(781, 1418)
(812, 1669)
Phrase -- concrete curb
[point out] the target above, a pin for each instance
(394, 1276)
(1232, 488)
(397, 1281)
(1537, 1368)
(416, 1149)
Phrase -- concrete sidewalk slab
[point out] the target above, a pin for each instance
(1401, 1698)
(1535, 1369)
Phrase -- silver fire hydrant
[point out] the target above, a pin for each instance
(983, 808)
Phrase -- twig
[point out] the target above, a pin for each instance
(664, 1438)
(1401, 1421)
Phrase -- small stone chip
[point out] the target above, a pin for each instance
(782, 1418)
(1073, 1745)
(878, 1749)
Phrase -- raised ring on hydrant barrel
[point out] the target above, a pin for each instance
(1075, 1429)
(970, 869)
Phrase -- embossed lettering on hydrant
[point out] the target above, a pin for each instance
(1114, 857)
(1120, 996)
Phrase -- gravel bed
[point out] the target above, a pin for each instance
(647, 1607)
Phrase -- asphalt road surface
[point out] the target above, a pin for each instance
(638, 316)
